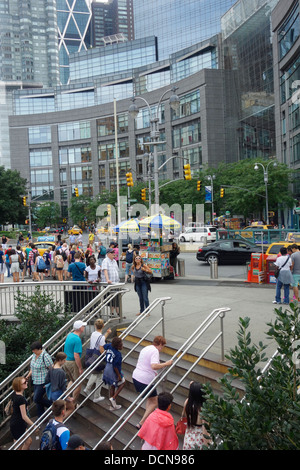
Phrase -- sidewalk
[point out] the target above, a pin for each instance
(194, 298)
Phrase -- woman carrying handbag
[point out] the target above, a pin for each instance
(142, 276)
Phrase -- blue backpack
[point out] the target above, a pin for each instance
(49, 439)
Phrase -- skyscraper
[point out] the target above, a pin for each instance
(112, 17)
(73, 25)
(178, 23)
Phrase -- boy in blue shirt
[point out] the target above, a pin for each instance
(112, 374)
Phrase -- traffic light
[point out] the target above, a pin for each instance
(198, 185)
(187, 171)
(76, 192)
(222, 192)
(143, 194)
(129, 179)
(24, 201)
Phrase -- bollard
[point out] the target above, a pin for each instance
(214, 269)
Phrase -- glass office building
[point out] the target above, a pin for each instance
(73, 26)
(286, 52)
(249, 80)
(178, 23)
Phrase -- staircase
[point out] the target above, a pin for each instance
(93, 420)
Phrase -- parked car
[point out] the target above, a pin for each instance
(227, 252)
(75, 230)
(196, 234)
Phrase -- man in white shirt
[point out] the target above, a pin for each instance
(285, 277)
(110, 274)
(110, 269)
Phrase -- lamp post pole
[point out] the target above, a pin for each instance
(154, 133)
(266, 180)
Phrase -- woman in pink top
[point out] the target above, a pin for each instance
(146, 370)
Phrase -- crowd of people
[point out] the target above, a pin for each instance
(52, 378)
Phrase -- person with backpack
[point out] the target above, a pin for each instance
(56, 435)
(32, 258)
(40, 267)
(40, 363)
(22, 264)
(101, 253)
(130, 253)
(59, 264)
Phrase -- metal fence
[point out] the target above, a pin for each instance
(72, 295)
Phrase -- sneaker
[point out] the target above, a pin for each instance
(97, 400)
(114, 404)
(114, 408)
(275, 302)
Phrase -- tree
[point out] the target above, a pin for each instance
(267, 418)
(12, 189)
(39, 318)
(46, 214)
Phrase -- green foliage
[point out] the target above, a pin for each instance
(47, 214)
(12, 188)
(39, 318)
(267, 418)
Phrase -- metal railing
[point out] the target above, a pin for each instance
(98, 306)
(69, 293)
(121, 421)
(86, 373)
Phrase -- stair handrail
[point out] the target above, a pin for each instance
(66, 327)
(86, 373)
(120, 422)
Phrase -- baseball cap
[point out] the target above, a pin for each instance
(110, 250)
(74, 442)
(78, 324)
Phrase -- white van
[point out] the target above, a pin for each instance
(198, 234)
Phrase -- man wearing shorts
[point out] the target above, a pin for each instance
(73, 350)
(295, 268)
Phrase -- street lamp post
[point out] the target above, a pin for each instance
(154, 132)
(266, 179)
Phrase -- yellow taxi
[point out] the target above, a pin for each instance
(247, 232)
(75, 230)
(43, 243)
(274, 248)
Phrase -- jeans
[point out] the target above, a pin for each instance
(8, 269)
(142, 291)
(40, 399)
(286, 291)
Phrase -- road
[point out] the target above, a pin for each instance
(193, 267)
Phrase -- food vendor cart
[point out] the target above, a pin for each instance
(157, 257)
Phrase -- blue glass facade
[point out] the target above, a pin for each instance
(178, 23)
